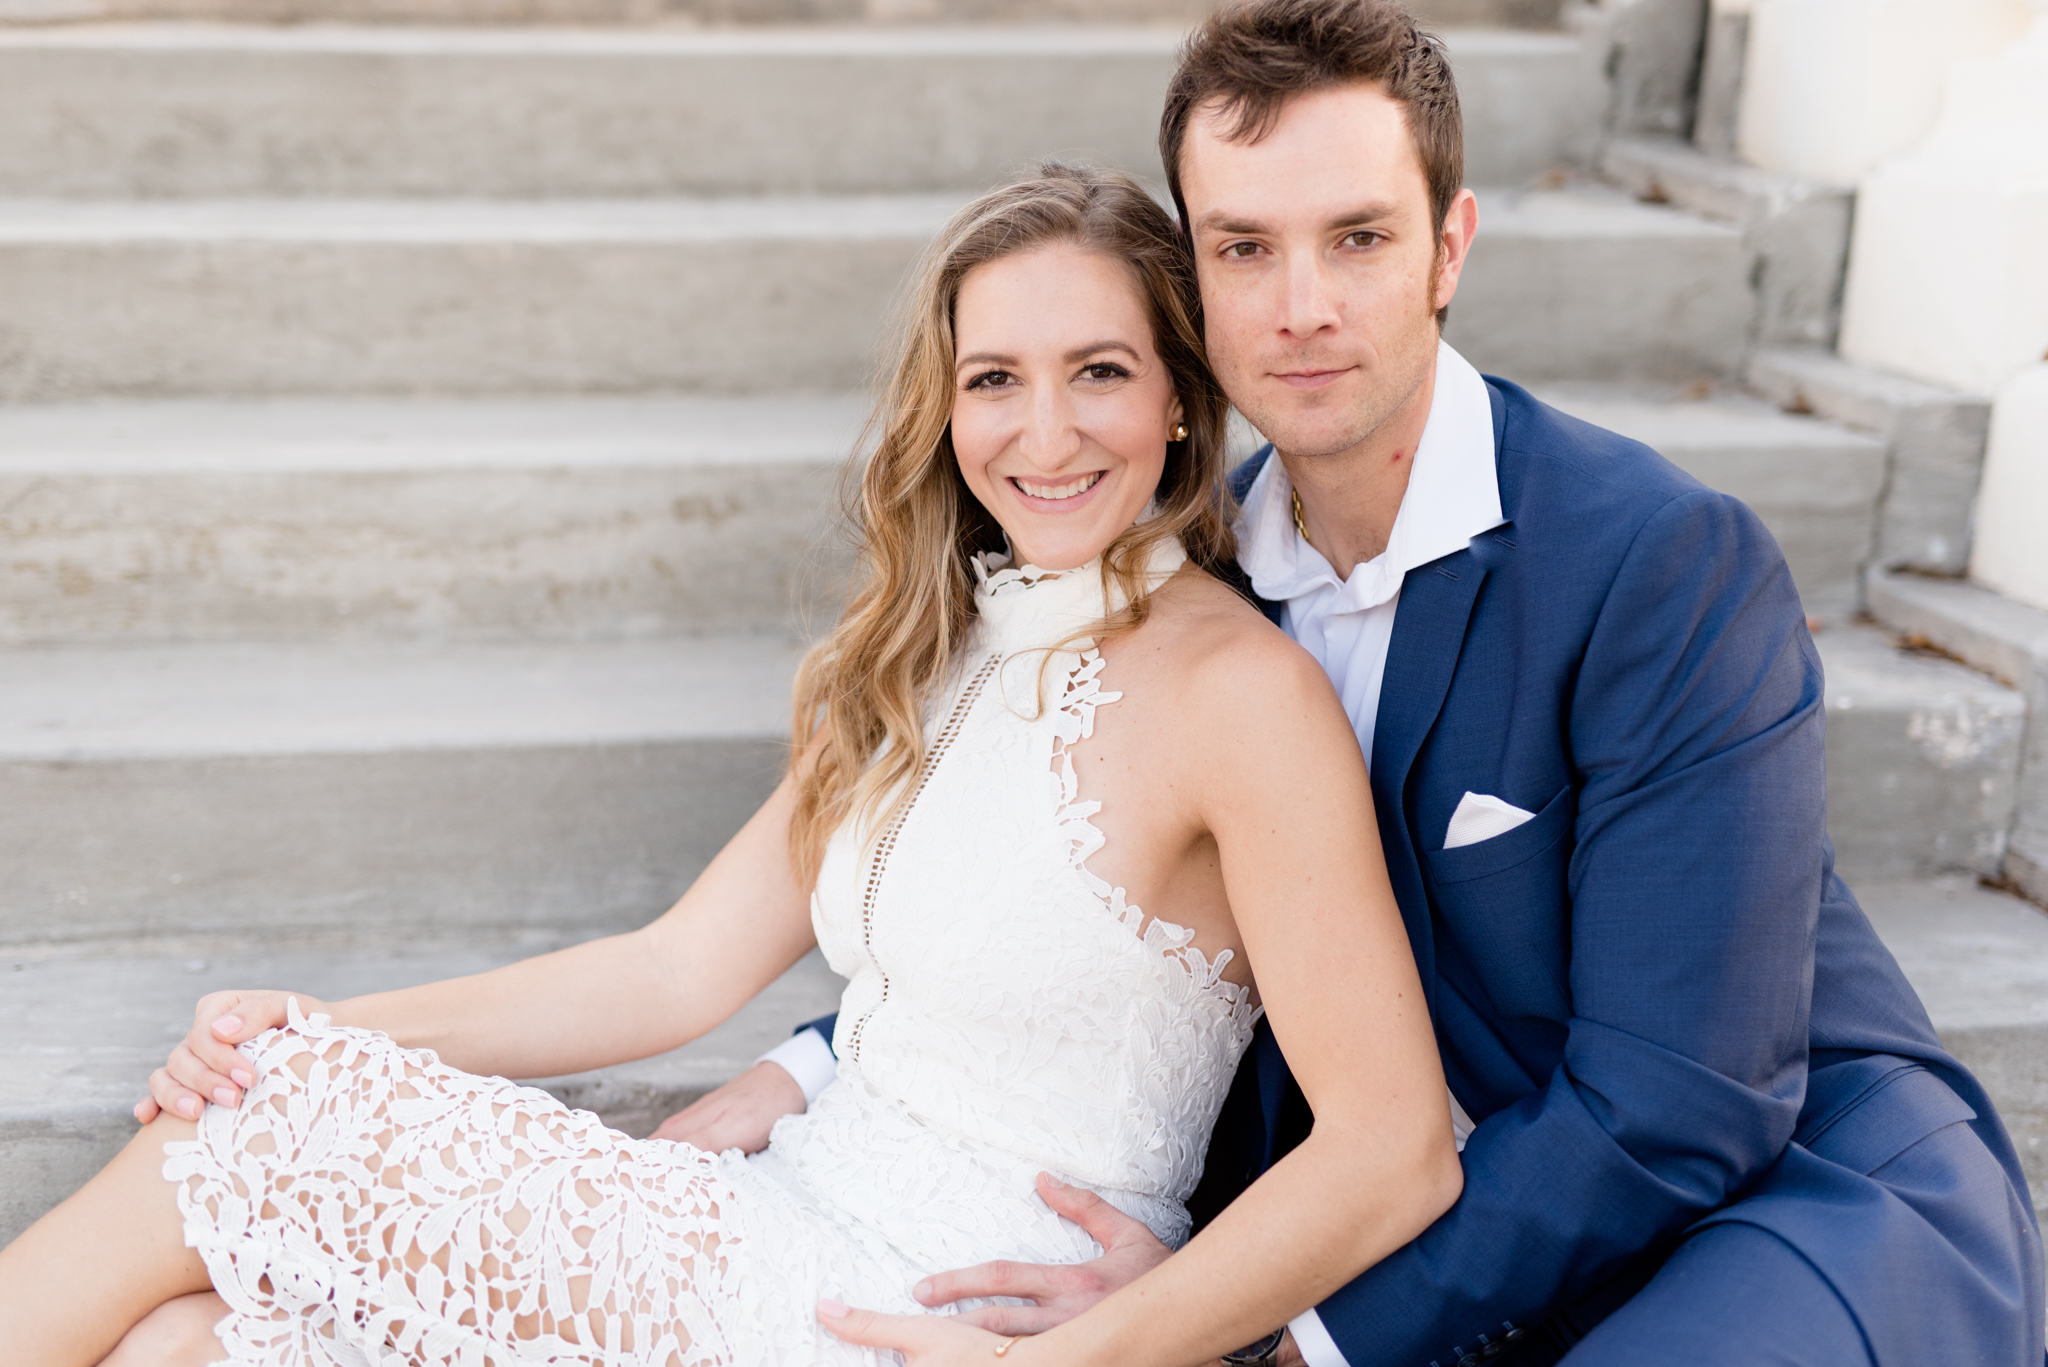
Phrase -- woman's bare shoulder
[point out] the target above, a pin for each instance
(1226, 651)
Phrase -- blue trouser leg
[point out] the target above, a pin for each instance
(1930, 1257)
(1731, 1294)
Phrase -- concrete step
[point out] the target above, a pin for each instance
(125, 111)
(1923, 759)
(1504, 13)
(247, 297)
(1979, 960)
(1584, 283)
(81, 1031)
(267, 790)
(464, 296)
(181, 520)
(1816, 484)
(2009, 641)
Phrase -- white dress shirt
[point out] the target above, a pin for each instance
(1345, 622)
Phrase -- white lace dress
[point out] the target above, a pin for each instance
(1007, 1012)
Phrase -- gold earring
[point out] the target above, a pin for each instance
(1180, 431)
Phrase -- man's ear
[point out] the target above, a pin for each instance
(1461, 224)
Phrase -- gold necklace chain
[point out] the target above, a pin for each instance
(1299, 525)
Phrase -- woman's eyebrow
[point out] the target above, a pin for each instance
(1126, 348)
(984, 358)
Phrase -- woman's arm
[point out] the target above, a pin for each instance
(741, 924)
(1286, 797)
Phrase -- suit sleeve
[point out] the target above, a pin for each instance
(1695, 731)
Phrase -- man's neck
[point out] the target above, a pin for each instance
(1349, 499)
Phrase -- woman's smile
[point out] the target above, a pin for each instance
(1056, 493)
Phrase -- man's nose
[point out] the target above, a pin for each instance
(1309, 304)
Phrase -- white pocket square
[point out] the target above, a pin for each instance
(1482, 816)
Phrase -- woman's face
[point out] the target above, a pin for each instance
(1061, 405)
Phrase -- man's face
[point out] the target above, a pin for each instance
(1316, 251)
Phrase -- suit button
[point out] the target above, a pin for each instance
(1469, 1360)
(1513, 1333)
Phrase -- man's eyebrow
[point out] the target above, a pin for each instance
(1377, 211)
(1374, 211)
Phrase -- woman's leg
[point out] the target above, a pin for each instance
(81, 1277)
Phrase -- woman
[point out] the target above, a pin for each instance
(1010, 755)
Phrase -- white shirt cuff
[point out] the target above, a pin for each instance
(806, 1057)
(1318, 1349)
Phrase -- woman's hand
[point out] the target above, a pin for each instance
(205, 1066)
(924, 1340)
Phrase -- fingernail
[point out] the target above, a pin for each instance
(833, 1310)
(189, 1108)
(224, 1096)
(227, 1025)
(243, 1076)
(922, 1289)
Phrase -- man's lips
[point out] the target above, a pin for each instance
(1311, 379)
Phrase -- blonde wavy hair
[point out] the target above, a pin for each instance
(862, 693)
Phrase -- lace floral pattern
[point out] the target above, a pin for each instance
(368, 1205)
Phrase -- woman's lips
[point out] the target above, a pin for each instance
(1063, 492)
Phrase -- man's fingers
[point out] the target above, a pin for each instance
(1105, 1224)
(1026, 1281)
(1011, 1319)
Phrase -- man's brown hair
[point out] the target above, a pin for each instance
(1249, 57)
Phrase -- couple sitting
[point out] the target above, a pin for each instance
(1071, 815)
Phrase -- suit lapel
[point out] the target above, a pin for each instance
(1429, 635)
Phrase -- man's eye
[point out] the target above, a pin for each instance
(1241, 249)
(1362, 239)
(990, 379)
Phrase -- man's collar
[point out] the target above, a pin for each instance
(1453, 495)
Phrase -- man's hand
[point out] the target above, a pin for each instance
(1057, 1294)
(739, 1114)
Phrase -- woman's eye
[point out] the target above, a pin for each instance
(990, 379)
(1103, 370)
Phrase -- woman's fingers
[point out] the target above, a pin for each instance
(173, 1096)
(923, 1339)
(190, 1071)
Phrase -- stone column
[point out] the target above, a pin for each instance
(1948, 265)
(1831, 87)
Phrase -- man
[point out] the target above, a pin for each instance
(1713, 1122)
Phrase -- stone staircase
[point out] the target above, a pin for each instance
(419, 447)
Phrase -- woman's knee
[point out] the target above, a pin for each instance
(178, 1333)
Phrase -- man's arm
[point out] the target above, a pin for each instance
(783, 1081)
(1696, 726)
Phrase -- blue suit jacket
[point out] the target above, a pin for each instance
(1648, 992)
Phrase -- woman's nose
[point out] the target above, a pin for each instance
(1051, 436)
